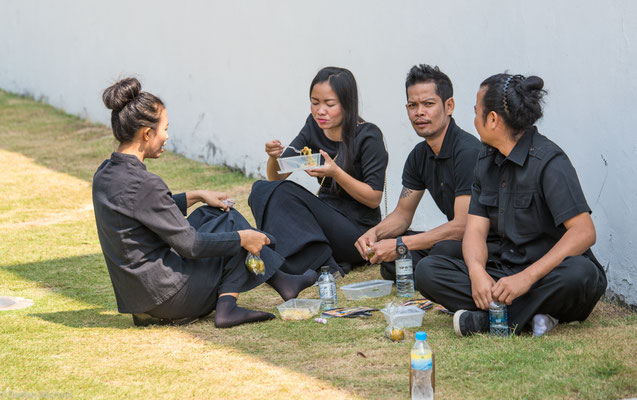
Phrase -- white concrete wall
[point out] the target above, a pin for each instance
(235, 74)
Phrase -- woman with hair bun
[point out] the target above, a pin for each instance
(527, 194)
(166, 268)
(323, 228)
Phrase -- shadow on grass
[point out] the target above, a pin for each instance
(83, 278)
(350, 354)
(87, 318)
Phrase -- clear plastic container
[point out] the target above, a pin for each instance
(290, 164)
(404, 316)
(298, 309)
(367, 289)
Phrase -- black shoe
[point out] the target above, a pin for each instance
(467, 323)
(143, 319)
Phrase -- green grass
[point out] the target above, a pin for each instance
(72, 340)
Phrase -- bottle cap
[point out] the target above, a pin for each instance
(325, 268)
(421, 335)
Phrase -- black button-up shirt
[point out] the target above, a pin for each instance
(527, 196)
(447, 175)
(144, 236)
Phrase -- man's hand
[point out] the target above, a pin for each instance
(365, 242)
(253, 241)
(511, 287)
(384, 250)
(481, 285)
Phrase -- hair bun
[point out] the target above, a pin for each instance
(121, 93)
(532, 83)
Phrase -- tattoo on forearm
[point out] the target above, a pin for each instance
(405, 192)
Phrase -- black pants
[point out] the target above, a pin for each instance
(210, 277)
(569, 292)
(307, 230)
(452, 248)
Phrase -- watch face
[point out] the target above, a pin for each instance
(402, 250)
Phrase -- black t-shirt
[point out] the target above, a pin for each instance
(370, 162)
(527, 196)
(447, 175)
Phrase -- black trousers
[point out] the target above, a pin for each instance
(307, 230)
(210, 277)
(452, 248)
(569, 292)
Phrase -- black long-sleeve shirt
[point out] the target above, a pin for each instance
(144, 235)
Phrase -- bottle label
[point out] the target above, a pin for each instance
(498, 317)
(404, 266)
(421, 362)
(327, 291)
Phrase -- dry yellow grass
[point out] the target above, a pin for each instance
(73, 341)
(125, 363)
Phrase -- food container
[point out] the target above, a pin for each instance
(290, 164)
(367, 289)
(298, 309)
(404, 316)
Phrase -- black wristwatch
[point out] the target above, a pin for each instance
(401, 249)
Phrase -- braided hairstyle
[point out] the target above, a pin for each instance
(515, 98)
(132, 108)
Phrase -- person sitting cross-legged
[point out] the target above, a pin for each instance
(526, 193)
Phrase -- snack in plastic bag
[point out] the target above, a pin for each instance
(370, 252)
(255, 264)
(229, 202)
(394, 333)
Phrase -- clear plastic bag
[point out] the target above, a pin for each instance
(229, 202)
(255, 264)
(392, 332)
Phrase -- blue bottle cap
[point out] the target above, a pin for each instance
(421, 335)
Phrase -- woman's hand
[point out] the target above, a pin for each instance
(481, 285)
(511, 287)
(253, 241)
(214, 199)
(274, 148)
(329, 168)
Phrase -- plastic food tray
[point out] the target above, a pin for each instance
(290, 164)
(405, 317)
(298, 309)
(367, 289)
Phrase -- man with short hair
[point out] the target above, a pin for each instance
(443, 164)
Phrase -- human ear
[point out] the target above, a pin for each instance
(147, 134)
(449, 106)
(493, 118)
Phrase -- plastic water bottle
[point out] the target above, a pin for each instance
(498, 321)
(421, 382)
(327, 289)
(405, 276)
